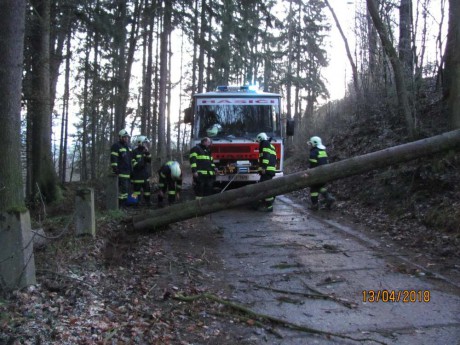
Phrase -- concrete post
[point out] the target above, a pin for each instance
(17, 264)
(84, 212)
(111, 192)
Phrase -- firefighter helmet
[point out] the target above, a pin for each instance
(123, 133)
(261, 137)
(141, 139)
(175, 169)
(316, 142)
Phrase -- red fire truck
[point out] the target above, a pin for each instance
(232, 117)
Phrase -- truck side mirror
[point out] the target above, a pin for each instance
(188, 115)
(290, 124)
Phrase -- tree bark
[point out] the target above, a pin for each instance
(44, 177)
(17, 265)
(452, 66)
(11, 58)
(296, 181)
(401, 89)
(164, 39)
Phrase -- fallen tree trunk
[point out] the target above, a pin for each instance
(334, 171)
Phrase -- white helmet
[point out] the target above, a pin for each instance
(261, 137)
(123, 133)
(316, 142)
(141, 139)
(175, 169)
(214, 130)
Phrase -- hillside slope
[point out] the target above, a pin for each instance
(414, 206)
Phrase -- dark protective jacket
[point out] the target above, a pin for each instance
(120, 159)
(140, 162)
(267, 157)
(317, 157)
(165, 178)
(201, 161)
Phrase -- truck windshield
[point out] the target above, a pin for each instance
(236, 121)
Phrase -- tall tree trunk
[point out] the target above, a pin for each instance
(168, 104)
(120, 63)
(406, 55)
(65, 114)
(401, 90)
(201, 43)
(11, 57)
(59, 32)
(179, 121)
(94, 104)
(84, 131)
(156, 93)
(17, 264)
(44, 179)
(289, 63)
(196, 44)
(452, 66)
(372, 51)
(161, 149)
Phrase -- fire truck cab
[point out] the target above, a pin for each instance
(232, 117)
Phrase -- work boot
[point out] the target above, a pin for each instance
(314, 207)
(266, 209)
(329, 201)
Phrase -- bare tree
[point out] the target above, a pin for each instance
(401, 89)
(44, 179)
(452, 66)
(165, 35)
(347, 48)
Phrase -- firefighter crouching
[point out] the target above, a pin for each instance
(318, 157)
(267, 167)
(203, 168)
(120, 161)
(170, 181)
(141, 169)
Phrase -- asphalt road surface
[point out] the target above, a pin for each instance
(307, 269)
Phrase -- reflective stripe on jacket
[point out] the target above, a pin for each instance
(267, 157)
(201, 160)
(140, 160)
(120, 157)
(317, 157)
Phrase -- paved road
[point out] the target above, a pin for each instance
(277, 261)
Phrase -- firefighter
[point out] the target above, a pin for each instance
(120, 159)
(267, 167)
(318, 157)
(170, 181)
(203, 169)
(141, 169)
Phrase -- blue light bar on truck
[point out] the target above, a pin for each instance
(244, 88)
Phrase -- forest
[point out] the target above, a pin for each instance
(103, 66)
(73, 74)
